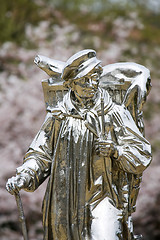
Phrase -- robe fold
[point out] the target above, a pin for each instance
(88, 195)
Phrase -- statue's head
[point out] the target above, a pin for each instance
(82, 72)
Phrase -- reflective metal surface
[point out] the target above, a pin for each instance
(91, 146)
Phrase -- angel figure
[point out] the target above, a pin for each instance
(91, 147)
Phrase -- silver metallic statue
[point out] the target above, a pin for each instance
(92, 147)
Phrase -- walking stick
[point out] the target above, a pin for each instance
(107, 164)
(21, 215)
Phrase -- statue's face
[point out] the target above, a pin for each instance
(87, 86)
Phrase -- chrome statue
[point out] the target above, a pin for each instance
(91, 146)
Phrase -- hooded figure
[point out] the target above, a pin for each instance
(87, 146)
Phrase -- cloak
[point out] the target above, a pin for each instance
(88, 195)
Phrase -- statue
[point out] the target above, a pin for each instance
(91, 146)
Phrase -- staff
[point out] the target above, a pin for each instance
(21, 215)
(102, 117)
(104, 136)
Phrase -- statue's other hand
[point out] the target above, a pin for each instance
(105, 148)
(15, 184)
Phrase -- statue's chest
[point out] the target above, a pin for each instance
(74, 129)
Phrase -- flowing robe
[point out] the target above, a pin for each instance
(87, 195)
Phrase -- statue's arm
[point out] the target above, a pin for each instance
(133, 150)
(37, 160)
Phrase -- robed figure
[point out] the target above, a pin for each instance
(91, 149)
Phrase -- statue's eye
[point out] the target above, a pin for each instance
(95, 78)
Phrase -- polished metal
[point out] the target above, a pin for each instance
(91, 146)
(21, 215)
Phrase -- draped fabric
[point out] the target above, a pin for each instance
(87, 195)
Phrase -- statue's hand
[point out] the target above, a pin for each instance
(15, 184)
(105, 148)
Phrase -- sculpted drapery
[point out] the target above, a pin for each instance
(80, 183)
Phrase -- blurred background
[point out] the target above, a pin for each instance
(119, 30)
